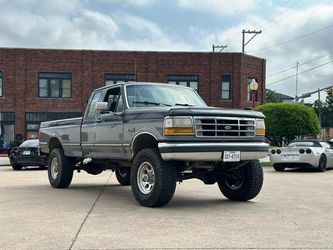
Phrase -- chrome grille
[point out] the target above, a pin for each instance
(224, 127)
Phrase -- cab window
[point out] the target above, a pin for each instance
(92, 108)
(114, 99)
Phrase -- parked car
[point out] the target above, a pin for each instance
(154, 135)
(331, 142)
(303, 154)
(27, 154)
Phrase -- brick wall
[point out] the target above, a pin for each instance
(20, 69)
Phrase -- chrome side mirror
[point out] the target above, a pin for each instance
(101, 106)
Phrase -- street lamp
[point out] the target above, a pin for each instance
(253, 88)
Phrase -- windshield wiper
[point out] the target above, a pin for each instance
(183, 104)
(152, 103)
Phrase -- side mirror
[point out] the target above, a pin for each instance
(101, 106)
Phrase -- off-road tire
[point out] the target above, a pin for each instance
(123, 176)
(164, 179)
(278, 168)
(65, 169)
(322, 164)
(250, 186)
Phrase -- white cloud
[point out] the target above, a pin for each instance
(131, 2)
(221, 7)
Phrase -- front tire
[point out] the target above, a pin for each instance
(60, 169)
(153, 181)
(322, 164)
(123, 175)
(243, 183)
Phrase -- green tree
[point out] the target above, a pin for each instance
(285, 121)
(272, 96)
(326, 109)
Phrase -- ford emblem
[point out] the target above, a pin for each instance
(227, 127)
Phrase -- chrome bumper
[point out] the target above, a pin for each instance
(211, 151)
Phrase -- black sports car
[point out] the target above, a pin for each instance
(27, 154)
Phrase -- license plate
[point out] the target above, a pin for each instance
(231, 156)
(291, 157)
(26, 152)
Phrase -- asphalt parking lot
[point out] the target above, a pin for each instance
(294, 210)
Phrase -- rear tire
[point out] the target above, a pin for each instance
(153, 181)
(60, 169)
(278, 168)
(123, 175)
(16, 167)
(243, 183)
(322, 164)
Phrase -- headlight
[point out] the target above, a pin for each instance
(178, 125)
(260, 127)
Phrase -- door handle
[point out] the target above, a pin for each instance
(98, 120)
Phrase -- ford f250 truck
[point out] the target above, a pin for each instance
(155, 135)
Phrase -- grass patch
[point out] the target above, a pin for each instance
(266, 164)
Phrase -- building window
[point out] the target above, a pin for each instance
(226, 87)
(111, 79)
(55, 85)
(249, 92)
(185, 80)
(7, 128)
(33, 120)
(1, 83)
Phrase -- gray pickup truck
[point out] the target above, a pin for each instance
(155, 135)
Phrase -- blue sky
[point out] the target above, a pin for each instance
(292, 30)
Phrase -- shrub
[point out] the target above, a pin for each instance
(285, 121)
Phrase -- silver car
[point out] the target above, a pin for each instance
(303, 154)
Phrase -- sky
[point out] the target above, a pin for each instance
(292, 31)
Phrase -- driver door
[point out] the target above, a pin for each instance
(109, 128)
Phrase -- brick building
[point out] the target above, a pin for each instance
(39, 84)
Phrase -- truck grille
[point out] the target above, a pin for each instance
(224, 127)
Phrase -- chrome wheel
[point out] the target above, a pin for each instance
(146, 177)
(54, 168)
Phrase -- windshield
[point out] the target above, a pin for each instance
(304, 144)
(30, 143)
(162, 96)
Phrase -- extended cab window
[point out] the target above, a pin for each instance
(114, 100)
(92, 108)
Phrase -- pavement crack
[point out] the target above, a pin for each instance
(89, 212)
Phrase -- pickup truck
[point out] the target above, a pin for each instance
(154, 135)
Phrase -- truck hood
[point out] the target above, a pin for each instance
(212, 111)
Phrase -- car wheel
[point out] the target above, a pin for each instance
(153, 182)
(278, 168)
(322, 163)
(16, 167)
(60, 169)
(244, 183)
(123, 175)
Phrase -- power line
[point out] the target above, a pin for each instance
(295, 39)
(293, 67)
(286, 78)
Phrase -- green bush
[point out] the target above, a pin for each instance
(285, 121)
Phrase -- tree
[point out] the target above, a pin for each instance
(272, 96)
(326, 109)
(285, 121)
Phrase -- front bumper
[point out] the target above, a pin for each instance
(210, 151)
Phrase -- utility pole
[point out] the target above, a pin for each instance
(248, 32)
(319, 110)
(296, 79)
(221, 47)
